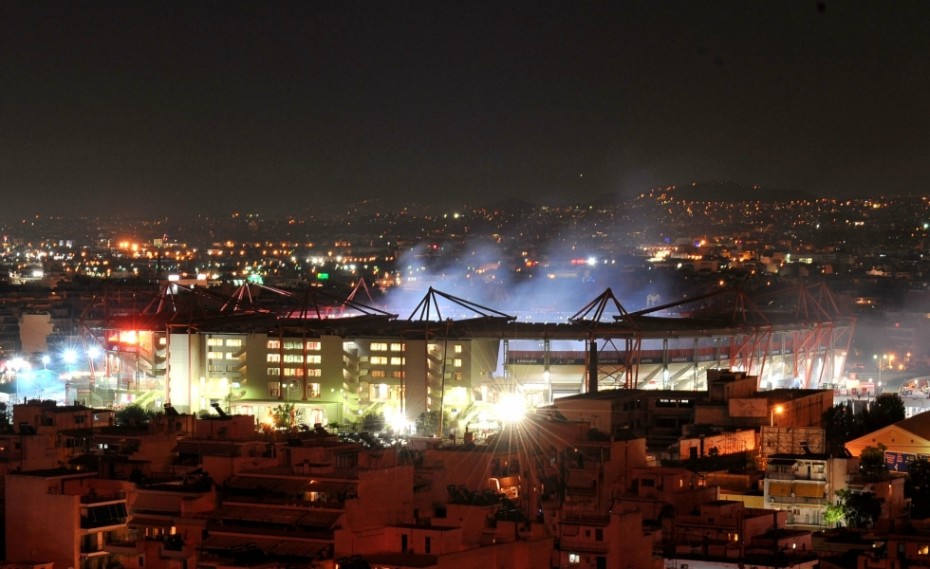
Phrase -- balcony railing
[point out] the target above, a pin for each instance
(582, 545)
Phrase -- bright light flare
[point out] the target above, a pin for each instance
(510, 408)
(397, 421)
(69, 356)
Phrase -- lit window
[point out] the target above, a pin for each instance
(274, 345)
(397, 347)
(458, 348)
(379, 346)
(215, 342)
(215, 355)
(457, 362)
(274, 358)
(397, 361)
(314, 346)
(379, 360)
(273, 371)
(398, 374)
(233, 342)
(378, 373)
(574, 558)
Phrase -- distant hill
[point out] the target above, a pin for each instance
(731, 191)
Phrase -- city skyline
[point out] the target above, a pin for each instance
(179, 107)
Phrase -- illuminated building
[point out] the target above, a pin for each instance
(337, 361)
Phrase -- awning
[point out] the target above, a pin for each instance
(813, 490)
(150, 522)
(782, 489)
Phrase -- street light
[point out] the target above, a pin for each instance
(776, 410)
(881, 363)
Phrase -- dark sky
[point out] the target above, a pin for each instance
(171, 107)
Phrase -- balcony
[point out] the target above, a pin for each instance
(125, 546)
(580, 545)
(171, 553)
(103, 498)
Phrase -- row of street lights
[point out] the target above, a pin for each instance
(20, 367)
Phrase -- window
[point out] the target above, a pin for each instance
(99, 516)
(346, 460)
(314, 346)
(233, 342)
(273, 358)
(397, 361)
(598, 535)
(397, 347)
(379, 360)
(293, 359)
(231, 356)
(398, 374)
(215, 355)
(273, 371)
(293, 372)
(378, 374)
(379, 346)
(274, 345)
(457, 376)
(457, 348)
(314, 359)
(214, 341)
(314, 372)
(574, 558)
(457, 362)
(379, 392)
(274, 389)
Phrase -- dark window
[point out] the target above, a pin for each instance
(108, 515)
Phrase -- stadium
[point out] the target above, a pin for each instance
(329, 361)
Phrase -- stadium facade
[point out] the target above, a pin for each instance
(338, 361)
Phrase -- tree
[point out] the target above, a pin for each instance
(859, 509)
(428, 422)
(373, 422)
(6, 416)
(133, 415)
(833, 514)
(872, 463)
(917, 488)
(283, 416)
(840, 425)
(888, 409)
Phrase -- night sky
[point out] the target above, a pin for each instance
(176, 107)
